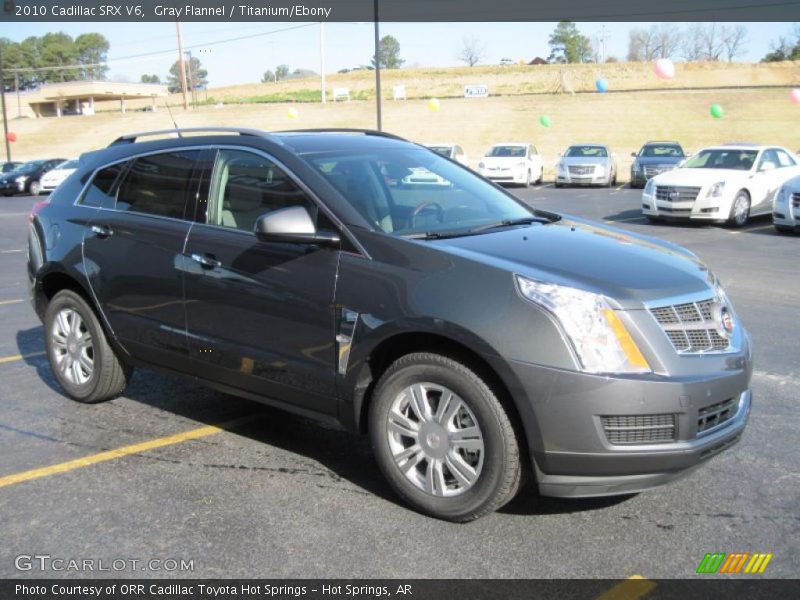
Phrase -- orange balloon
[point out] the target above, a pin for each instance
(11, 136)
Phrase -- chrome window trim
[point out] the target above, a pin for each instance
(306, 190)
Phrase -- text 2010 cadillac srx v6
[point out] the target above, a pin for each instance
(475, 339)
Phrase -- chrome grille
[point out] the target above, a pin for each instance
(715, 414)
(653, 170)
(639, 429)
(670, 193)
(690, 327)
(579, 170)
(796, 200)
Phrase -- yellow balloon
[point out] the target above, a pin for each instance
(292, 113)
(434, 104)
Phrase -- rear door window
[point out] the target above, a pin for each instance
(102, 190)
(158, 184)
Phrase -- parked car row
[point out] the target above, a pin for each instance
(35, 177)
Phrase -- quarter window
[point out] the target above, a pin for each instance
(245, 186)
(158, 184)
(101, 191)
(784, 159)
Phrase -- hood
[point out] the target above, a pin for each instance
(627, 268)
(502, 161)
(658, 160)
(585, 160)
(699, 177)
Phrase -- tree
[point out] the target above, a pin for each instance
(388, 54)
(660, 41)
(281, 72)
(568, 44)
(703, 42)
(150, 79)
(194, 75)
(92, 49)
(783, 50)
(268, 77)
(472, 51)
(733, 41)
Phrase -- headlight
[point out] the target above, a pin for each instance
(636, 167)
(21, 178)
(649, 187)
(521, 165)
(561, 166)
(600, 339)
(599, 171)
(782, 195)
(481, 165)
(716, 190)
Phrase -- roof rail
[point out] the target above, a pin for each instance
(374, 132)
(134, 137)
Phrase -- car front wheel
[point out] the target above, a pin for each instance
(35, 188)
(442, 438)
(740, 210)
(83, 362)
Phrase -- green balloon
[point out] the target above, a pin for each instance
(545, 121)
(716, 111)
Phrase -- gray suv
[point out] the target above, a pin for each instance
(475, 339)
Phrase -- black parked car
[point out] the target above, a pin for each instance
(477, 340)
(25, 179)
(654, 158)
(7, 167)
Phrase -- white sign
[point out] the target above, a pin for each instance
(341, 94)
(476, 91)
(399, 92)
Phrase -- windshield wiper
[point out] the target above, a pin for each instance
(437, 235)
(510, 223)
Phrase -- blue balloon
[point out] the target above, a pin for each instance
(601, 85)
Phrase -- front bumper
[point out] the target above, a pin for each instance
(12, 187)
(786, 214)
(574, 455)
(702, 208)
(505, 175)
(570, 179)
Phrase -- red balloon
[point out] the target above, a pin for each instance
(11, 136)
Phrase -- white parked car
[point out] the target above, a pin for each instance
(722, 183)
(512, 162)
(786, 207)
(587, 164)
(52, 179)
(451, 151)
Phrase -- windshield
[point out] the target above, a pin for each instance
(70, 164)
(443, 150)
(588, 151)
(513, 151)
(406, 191)
(740, 160)
(662, 150)
(29, 166)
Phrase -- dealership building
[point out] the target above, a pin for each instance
(83, 98)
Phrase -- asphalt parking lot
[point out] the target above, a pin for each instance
(273, 495)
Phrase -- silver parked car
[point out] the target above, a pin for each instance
(586, 164)
(786, 207)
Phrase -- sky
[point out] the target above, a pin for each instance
(346, 44)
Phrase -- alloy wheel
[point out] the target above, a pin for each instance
(72, 346)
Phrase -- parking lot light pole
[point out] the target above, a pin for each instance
(378, 66)
(3, 99)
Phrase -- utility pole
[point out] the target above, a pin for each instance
(191, 80)
(16, 88)
(3, 98)
(322, 57)
(182, 66)
(378, 66)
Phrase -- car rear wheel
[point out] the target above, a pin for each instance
(35, 188)
(541, 176)
(740, 210)
(528, 179)
(443, 439)
(83, 362)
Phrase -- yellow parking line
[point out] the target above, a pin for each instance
(632, 588)
(93, 459)
(5, 302)
(16, 357)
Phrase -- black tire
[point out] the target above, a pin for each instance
(558, 185)
(501, 475)
(783, 229)
(739, 220)
(528, 179)
(109, 375)
(653, 219)
(34, 188)
(541, 176)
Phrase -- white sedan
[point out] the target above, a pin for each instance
(52, 179)
(512, 162)
(451, 151)
(786, 208)
(721, 183)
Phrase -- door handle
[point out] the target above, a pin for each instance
(206, 261)
(102, 231)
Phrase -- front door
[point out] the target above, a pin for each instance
(260, 315)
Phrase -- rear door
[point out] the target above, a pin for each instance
(260, 315)
(133, 256)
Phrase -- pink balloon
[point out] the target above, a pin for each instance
(664, 68)
(795, 96)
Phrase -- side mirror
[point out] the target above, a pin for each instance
(292, 225)
(633, 154)
(688, 155)
(561, 154)
(767, 166)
